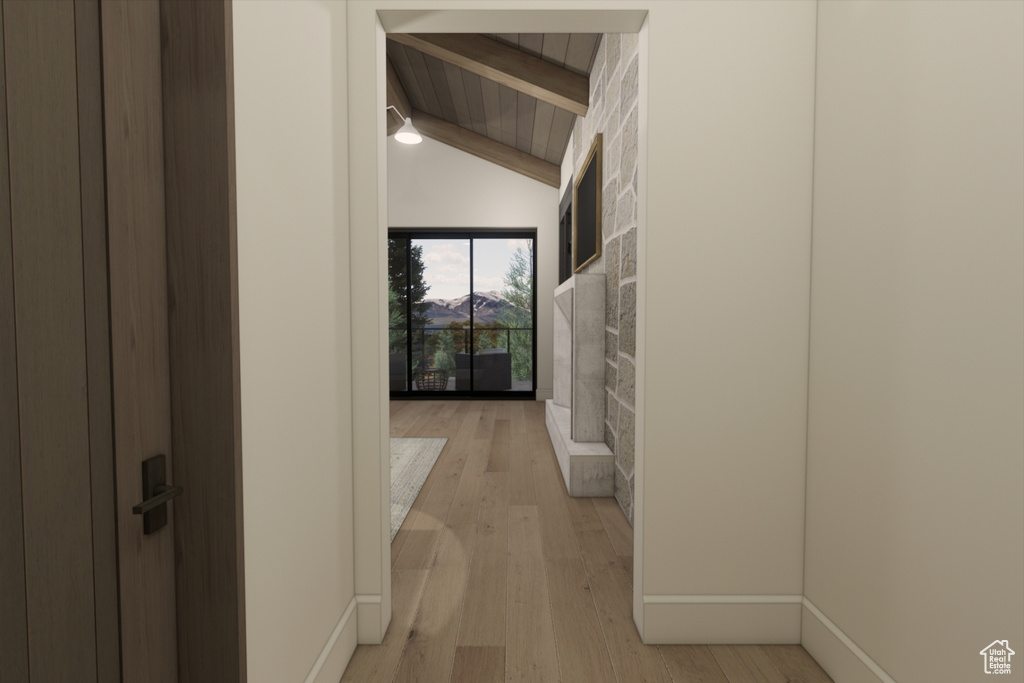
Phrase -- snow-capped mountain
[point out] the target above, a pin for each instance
(486, 307)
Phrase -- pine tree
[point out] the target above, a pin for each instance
(400, 279)
(396, 322)
(405, 276)
(518, 292)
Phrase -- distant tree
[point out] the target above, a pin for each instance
(444, 351)
(405, 276)
(458, 331)
(396, 322)
(488, 336)
(401, 276)
(518, 292)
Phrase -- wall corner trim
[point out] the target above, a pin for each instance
(370, 618)
(838, 655)
(338, 650)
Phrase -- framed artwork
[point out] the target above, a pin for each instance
(586, 213)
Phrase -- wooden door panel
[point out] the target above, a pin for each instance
(202, 267)
(97, 336)
(14, 625)
(138, 323)
(46, 243)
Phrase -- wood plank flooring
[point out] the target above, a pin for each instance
(498, 575)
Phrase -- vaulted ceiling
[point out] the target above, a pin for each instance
(510, 98)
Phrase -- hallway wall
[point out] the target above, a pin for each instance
(915, 516)
(723, 286)
(432, 185)
(295, 339)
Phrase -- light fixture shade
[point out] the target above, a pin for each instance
(407, 134)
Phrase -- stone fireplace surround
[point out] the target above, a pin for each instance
(575, 416)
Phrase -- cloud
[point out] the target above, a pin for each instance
(446, 268)
(488, 284)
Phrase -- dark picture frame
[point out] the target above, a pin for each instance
(586, 213)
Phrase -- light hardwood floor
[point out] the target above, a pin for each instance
(498, 575)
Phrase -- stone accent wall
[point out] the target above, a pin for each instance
(613, 113)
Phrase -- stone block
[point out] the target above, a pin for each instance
(623, 493)
(610, 171)
(608, 206)
(609, 376)
(609, 437)
(611, 410)
(562, 350)
(612, 102)
(632, 497)
(627, 319)
(611, 345)
(625, 210)
(588, 469)
(627, 254)
(597, 479)
(624, 441)
(626, 390)
(612, 121)
(627, 161)
(629, 46)
(611, 299)
(629, 90)
(611, 45)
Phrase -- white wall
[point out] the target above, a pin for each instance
(432, 185)
(915, 512)
(730, 129)
(296, 410)
(919, 111)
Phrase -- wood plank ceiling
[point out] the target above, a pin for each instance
(510, 98)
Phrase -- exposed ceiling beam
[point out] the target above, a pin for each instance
(397, 99)
(505, 65)
(485, 148)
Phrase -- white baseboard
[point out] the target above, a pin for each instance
(371, 622)
(333, 659)
(837, 654)
(722, 619)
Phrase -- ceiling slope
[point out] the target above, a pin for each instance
(511, 99)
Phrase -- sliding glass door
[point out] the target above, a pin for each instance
(462, 313)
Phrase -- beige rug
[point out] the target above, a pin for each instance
(411, 460)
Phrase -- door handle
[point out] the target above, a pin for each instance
(155, 494)
(163, 494)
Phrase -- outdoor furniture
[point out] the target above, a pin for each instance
(431, 379)
(396, 372)
(492, 371)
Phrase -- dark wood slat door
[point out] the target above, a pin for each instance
(14, 625)
(49, 324)
(138, 326)
(91, 255)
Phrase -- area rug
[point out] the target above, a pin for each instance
(411, 460)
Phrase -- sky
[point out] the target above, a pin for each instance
(446, 264)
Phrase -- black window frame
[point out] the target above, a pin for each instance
(410, 234)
